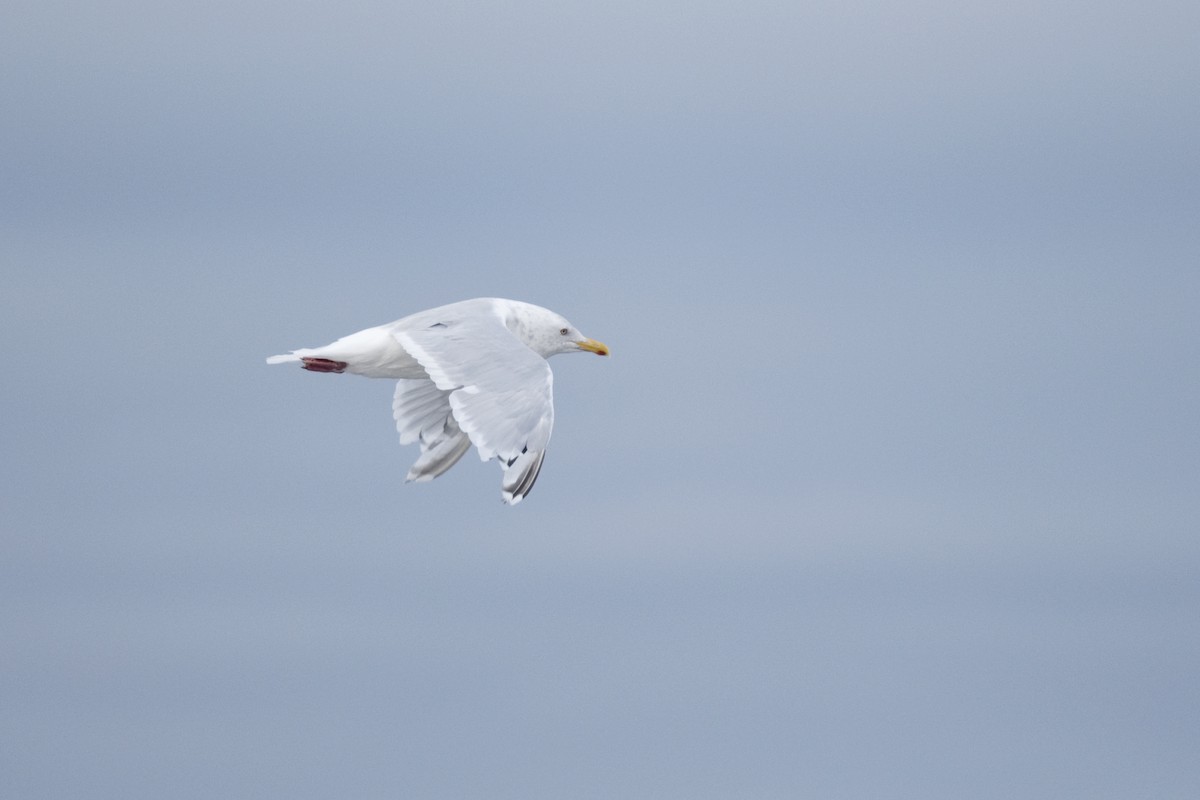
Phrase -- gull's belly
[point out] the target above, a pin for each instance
(374, 353)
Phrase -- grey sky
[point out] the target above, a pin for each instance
(889, 489)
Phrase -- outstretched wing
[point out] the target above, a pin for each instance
(499, 391)
(422, 413)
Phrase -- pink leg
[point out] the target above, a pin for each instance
(323, 365)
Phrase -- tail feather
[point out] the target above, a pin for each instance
(283, 359)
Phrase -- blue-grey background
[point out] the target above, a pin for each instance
(888, 490)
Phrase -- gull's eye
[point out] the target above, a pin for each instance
(563, 331)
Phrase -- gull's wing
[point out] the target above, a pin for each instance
(422, 413)
(499, 391)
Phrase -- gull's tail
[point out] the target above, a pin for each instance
(308, 362)
(283, 359)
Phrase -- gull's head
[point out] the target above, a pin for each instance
(568, 339)
(547, 333)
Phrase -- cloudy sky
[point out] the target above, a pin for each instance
(888, 490)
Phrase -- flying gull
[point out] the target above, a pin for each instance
(468, 373)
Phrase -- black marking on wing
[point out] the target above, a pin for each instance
(510, 462)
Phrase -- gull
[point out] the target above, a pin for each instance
(468, 373)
